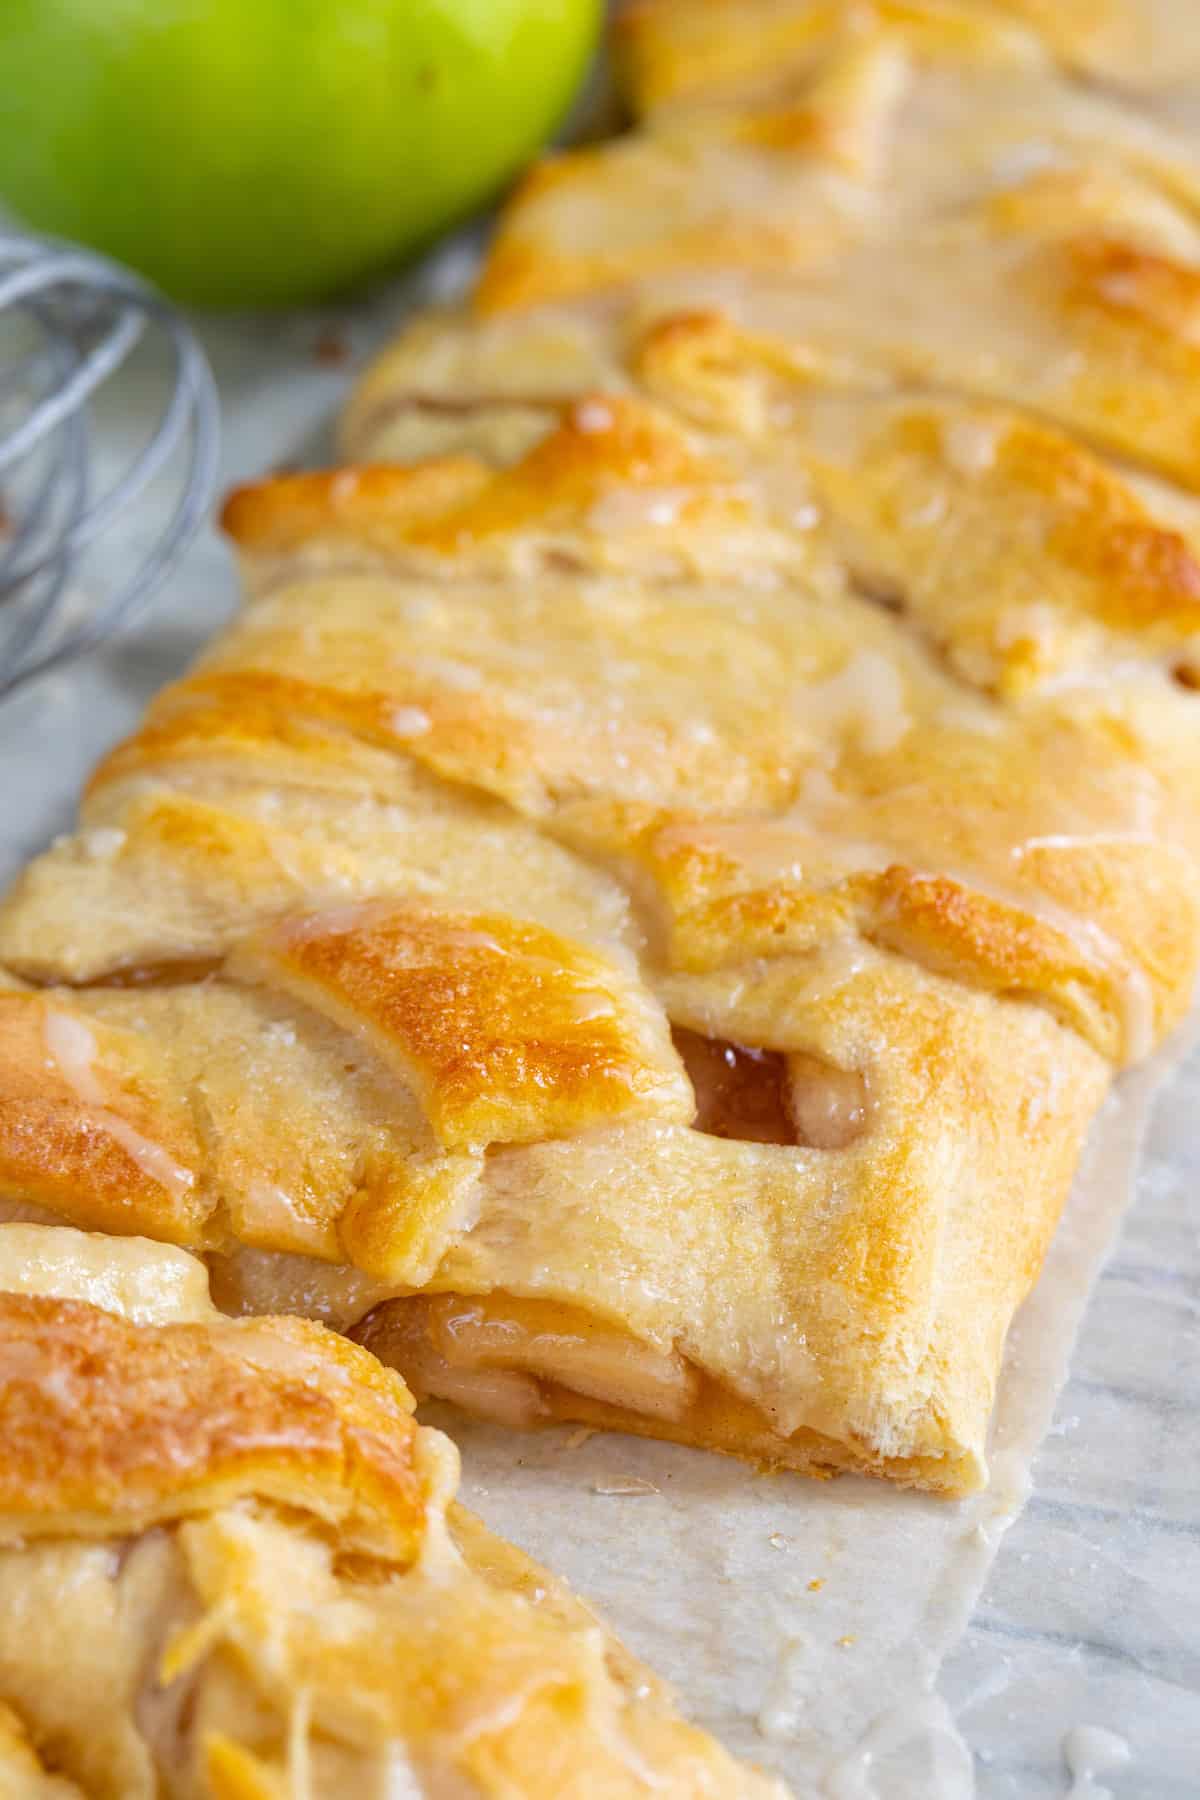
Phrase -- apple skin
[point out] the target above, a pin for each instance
(267, 152)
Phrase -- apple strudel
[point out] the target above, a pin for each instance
(634, 918)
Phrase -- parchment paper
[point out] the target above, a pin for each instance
(803, 1622)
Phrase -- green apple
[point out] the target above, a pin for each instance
(260, 152)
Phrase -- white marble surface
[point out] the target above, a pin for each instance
(1092, 1610)
(1091, 1613)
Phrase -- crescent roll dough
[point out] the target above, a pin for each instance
(231, 1565)
(633, 919)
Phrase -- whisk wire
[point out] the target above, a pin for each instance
(88, 315)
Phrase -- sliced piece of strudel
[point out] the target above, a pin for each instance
(232, 1566)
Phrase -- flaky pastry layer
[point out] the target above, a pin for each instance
(231, 1566)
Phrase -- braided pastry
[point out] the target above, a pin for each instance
(633, 919)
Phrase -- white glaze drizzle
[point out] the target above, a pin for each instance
(766, 840)
(623, 509)
(151, 1284)
(927, 1721)
(1089, 1751)
(400, 1780)
(864, 699)
(72, 1049)
(783, 1704)
(409, 721)
(970, 444)
(299, 1760)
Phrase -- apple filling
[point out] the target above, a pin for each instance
(493, 1355)
(769, 1097)
(523, 1363)
(399, 1334)
(828, 1105)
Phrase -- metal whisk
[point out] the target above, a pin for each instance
(69, 320)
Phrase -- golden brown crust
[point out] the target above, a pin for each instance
(700, 51)
(253, 728)
(110, 1427)
(675, 53)
(124, 1149)
(507, 1032)
(288, 510)
(616, 485)
(628, 446)
(308, 1147)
